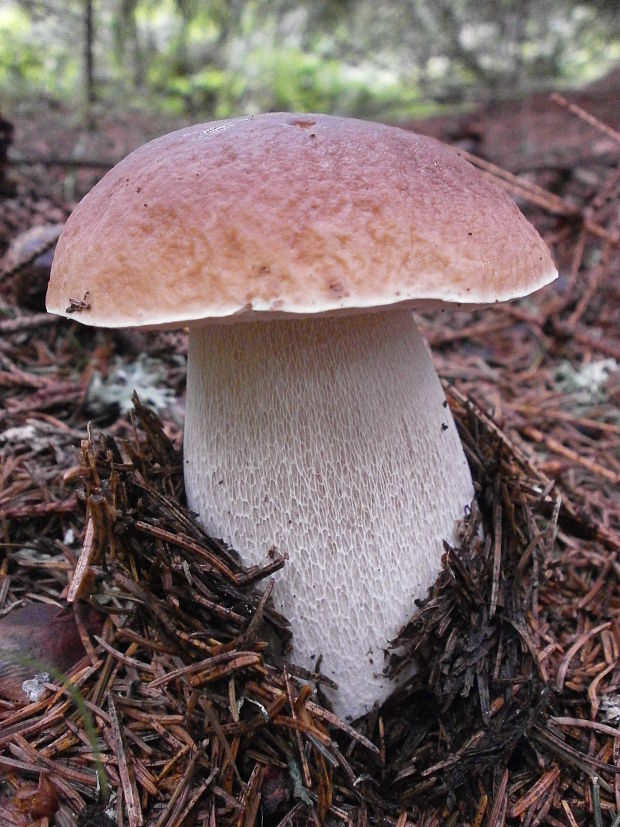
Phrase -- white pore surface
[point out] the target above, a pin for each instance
(327, 439)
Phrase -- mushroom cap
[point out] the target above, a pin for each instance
(290, 215)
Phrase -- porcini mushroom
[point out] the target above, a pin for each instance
(39, 637)
(294, 247)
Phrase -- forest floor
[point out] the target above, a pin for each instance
(513, 717)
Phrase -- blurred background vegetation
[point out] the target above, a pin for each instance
(394, 60)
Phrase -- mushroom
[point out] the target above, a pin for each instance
(294, 247)
(36, 638)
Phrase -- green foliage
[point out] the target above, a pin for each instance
(305, 82)
(27, 65)
(215, 58)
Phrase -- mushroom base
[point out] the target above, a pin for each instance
(330, 440)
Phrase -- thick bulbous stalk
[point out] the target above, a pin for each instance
(329, 439)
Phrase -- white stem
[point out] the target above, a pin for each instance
(331, 440)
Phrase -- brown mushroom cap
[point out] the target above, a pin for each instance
(290, 215)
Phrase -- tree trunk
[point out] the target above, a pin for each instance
(89, 62)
